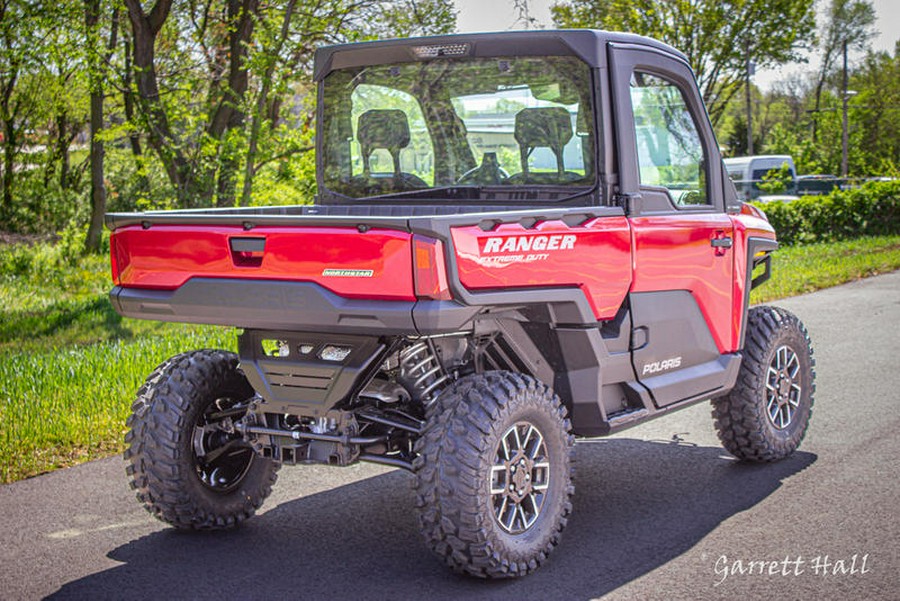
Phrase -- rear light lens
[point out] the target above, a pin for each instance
(118, 259)
(430, 269)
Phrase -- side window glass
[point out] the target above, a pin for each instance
(670, 153)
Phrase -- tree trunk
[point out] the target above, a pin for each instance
(145, 28)
(98, 188)
(62, 148)
(229, 114)
(10, 138)
(97, 152)
(9, 157)
(261, 104)
(134, 136)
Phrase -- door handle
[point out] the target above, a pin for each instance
(723, 242)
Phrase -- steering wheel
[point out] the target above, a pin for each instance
(489, 172)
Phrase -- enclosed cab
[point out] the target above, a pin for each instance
(519, 238)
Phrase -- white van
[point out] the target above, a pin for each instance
(747, 172)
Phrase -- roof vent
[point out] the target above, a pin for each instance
(438, 50)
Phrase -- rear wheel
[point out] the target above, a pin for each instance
(766, 415)
(493, 476)
(188, 465)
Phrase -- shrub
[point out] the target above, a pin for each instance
(872, 210)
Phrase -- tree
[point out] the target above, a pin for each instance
(875, 148)
(715, 35)
(20, 30)
(209, 95)
(849, 23)
(229, 67)
(286, 42)
(98, 57)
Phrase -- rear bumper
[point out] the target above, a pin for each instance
(280, 305)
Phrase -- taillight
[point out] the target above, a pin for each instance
(117, 260)
(429, 269)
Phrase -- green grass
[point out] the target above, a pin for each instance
(70, 366)
(68, 405)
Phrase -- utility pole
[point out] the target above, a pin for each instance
(845, 136)
(749, 100)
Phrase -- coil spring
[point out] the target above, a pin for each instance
(421, 371)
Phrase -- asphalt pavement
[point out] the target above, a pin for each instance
(661, 511)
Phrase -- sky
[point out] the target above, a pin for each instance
(499, 15)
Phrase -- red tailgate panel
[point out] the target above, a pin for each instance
(595, 256)
(375, 265)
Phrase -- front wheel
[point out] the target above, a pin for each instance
(493, 476)
(187, 464)
(765, 416)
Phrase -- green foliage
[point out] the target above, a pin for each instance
(872, 210)
(777, 181)
(714, 34)
(70, 365)
(222, 78)
(60, 406)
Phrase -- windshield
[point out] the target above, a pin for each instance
(459, 128)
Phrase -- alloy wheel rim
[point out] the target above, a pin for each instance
(783, 390)
(520, 477)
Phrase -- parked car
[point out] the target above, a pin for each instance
(817, 184)
(748, 172)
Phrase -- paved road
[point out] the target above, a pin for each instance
(660, 512)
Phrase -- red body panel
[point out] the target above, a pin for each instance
(673, 252)
(595, 256)
(376, 264)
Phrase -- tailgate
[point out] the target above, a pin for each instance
(373, 264)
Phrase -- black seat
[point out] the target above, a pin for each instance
(382, 128)
(545, 127)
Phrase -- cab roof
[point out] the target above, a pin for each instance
(587, 44)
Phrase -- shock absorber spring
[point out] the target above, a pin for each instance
(421, 371)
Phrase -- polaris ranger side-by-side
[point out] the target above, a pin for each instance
(519, 239)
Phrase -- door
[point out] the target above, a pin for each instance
(669, 168)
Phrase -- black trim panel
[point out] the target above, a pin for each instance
(587, 44)
(754, 245)
(304, 383)
(704, 380)
(265, 304)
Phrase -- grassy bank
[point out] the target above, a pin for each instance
(806, 268)
(69, 365)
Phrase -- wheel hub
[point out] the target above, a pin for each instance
(783, 388)
(519, 477)
(519, 474)
(221, 456)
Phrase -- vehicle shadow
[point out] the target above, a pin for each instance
(638, 505)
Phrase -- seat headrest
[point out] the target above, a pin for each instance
(382, 128)
(549, 127)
